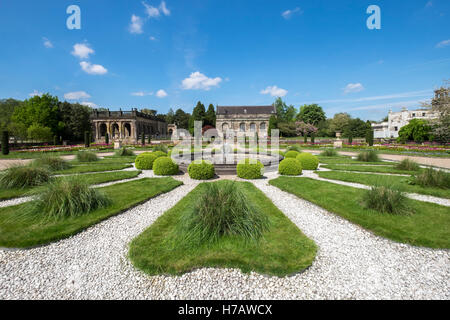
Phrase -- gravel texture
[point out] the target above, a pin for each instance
(351, 263)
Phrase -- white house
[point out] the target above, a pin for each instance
(396, 120)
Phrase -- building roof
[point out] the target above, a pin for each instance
(245, 109)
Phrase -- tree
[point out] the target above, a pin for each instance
(5, 142)
(210, 116)
(182, 119)
(305, 129)
(170, 116)
(198, 114)
(38, 132)
(287, 129)
(272, 124)
(312, 114)
(416, 130)
(76, 119)
(7, 107)
(356, 128)
(339, 122)
(285, 113)
(441, 105)
(149, 112)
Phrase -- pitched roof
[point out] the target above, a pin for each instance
(245, 109)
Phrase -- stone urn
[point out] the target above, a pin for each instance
(117, 144)
(338, 142)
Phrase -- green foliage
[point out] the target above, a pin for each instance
(159, 154)
(369, 137)
(160, 147)
(272, 124)
(291, 154)
(432, 178)
(312, 114)
(76, 120)
(222, 210)
(287, 129)
(23, 176)
(201, 171)
(339, 122)
(181, 119)
(250, 169)
(210, 116)
(285, 113)
(198, 114)
(308, 161)
(52, 163)
(86, 156)
(290, 167)
(124, 152)
(368, 156)
(294, 147)
(5, 142)
(87, 139)
(107, 138)
(385, 199)
(329, 153)
(356, 128)
(145, 160)
(165, 166)
(39, 133)
(407, 164)
(7, 107)
(67, 197)
(416, 130)
(143, 139)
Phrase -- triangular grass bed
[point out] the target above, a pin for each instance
(22, 233)
(428, 226)
(283, 249)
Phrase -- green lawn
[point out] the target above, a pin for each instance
(374, 168)
(107, 160)
(283, 250)
(94, 167)
(27, 232)
(428, 226)
(348, 160)
(373, 179)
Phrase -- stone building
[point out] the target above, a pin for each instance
(126, 126)
(396, 120)
(244, 119)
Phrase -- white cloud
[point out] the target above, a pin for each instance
(141, 94)
(443, 43)
(76, 95)
(136, 25)
(161, 93)
(47, 43)
(93, 68)
(164, 9)
(198, 81)
(289, 13)
(35, 93)
(154, 12)
(274, 91)
(82, 50)
(353, 87)
(89, 104)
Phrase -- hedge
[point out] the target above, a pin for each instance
(201, 171)
(308, 161)
(290, 167)
(145, 160)
(165, 166)
(250, 170)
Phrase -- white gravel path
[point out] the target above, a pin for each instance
(351, 263)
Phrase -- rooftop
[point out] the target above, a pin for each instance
(245, 110)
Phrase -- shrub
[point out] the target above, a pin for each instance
(222, 210)
(201, 171)
(160, 147)
(247, 169)
(329, 153)
(51, 162)
(107, 138)
(23, 176)
(165, 166)
(291, 154)
(66, 197)
(145, 161)
(159, 154)
(124, 152)
(385, 199)
(407, 164)
(290, 167)
(368, 156)
(308, 161)
(86, 156)
(87, 140)
(432, 178)
(294, 148)
(5, 143)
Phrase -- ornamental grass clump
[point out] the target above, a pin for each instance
(23, 176)
(368, 156)
(329, 153)
(124, 152)
(64, 198)
(386, 199)
(432, 178)
(51, 162)
(86, 156)
(222, 210)
(408, 165)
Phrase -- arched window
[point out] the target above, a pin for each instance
(103, 130)
(252, 127)
(115, 130)
(262, 126)
(225, 126)
(242, 127)
(127, 130)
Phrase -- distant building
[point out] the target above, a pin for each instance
(244, 119)
(127, 126)
(396, 120)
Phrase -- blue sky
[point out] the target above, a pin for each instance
(170, 54)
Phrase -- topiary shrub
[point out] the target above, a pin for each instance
(145, 161)
(247, 169)
(165, 166)
(291, 154)
(290, 167)
(329, 153)
(160, 147)
(368, 156)
(386, 199)
(222, 210)
(408, 165)
(201, 171)
(51, 162)
(124, 152)
(66, 197)
(308, 161)
(23, 176)
(86, 156)
(5, 143)
(159, 154)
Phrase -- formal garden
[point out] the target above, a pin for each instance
(155, 225)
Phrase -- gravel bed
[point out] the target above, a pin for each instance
(14, 201)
